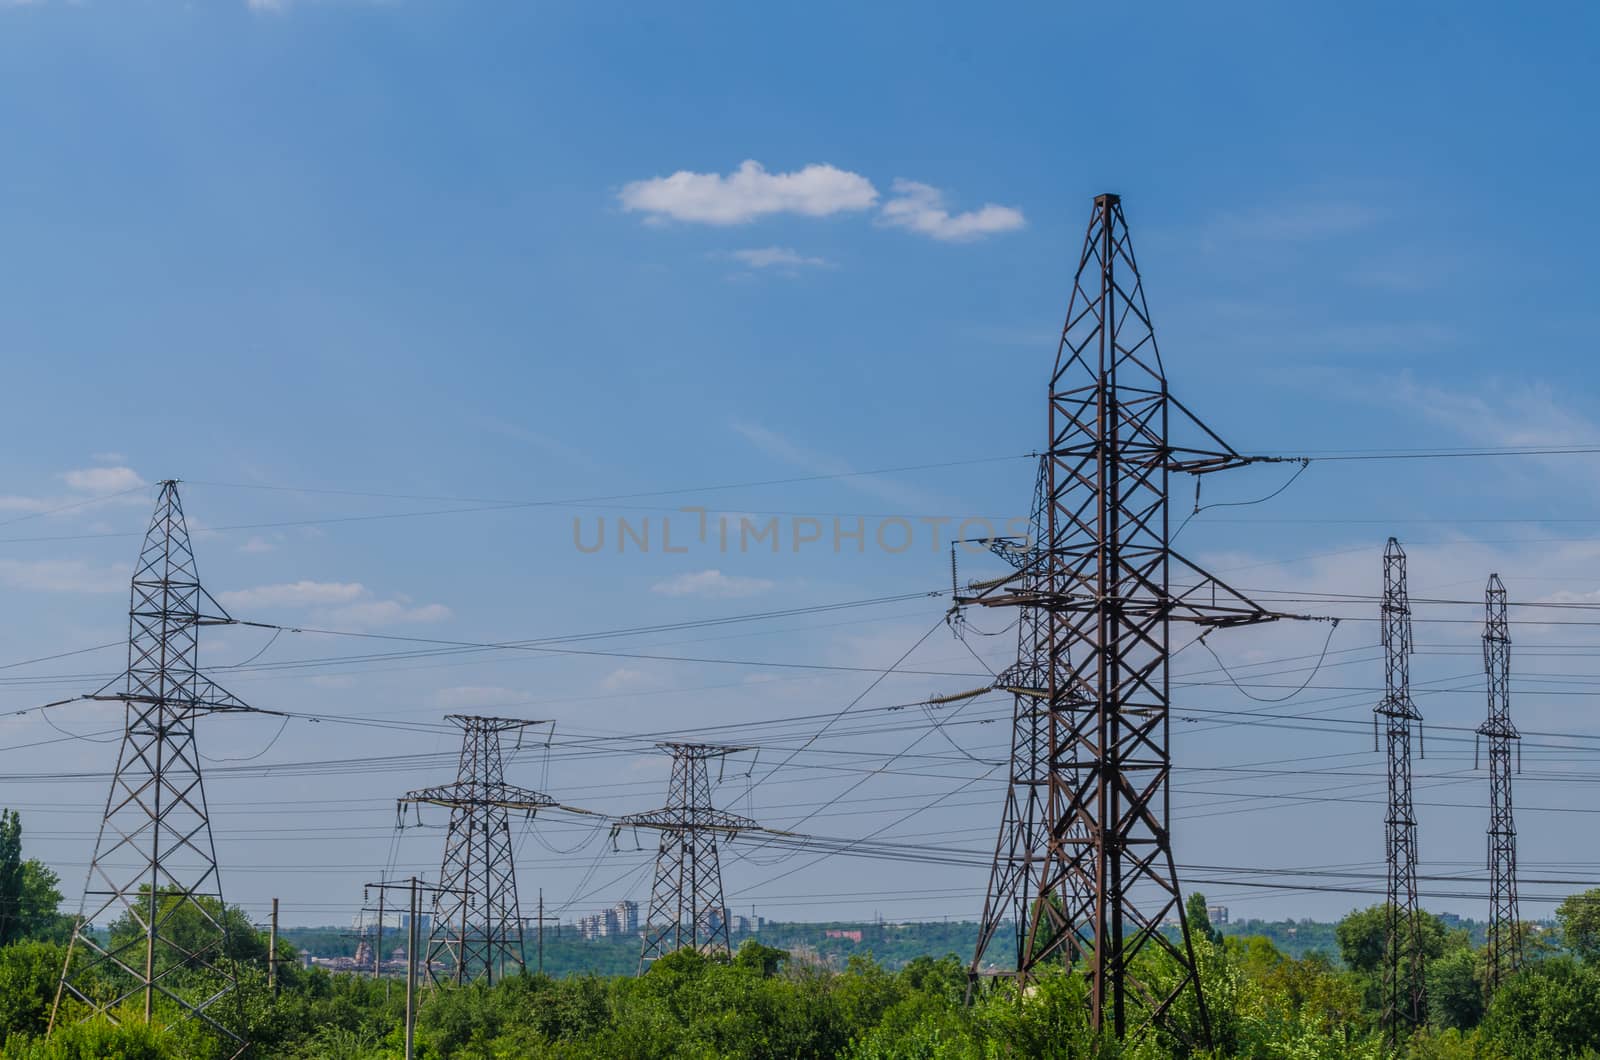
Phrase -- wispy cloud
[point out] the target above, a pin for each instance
(783, 258)
(349, 605)
(1515, 415)
(64, 576)
(294, 594)
(103, 479)
(921, 208)
(398, 612)
(1294, 222)
(89, 488)
(711, 583)
(776, 445)
(817, 190)
(479, 697)
(749, 192)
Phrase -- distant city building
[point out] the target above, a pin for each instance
(1217, 914)
(854, 935)
(627, 917)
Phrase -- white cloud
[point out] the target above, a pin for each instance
(13, 503)
(294, 594)
(333, 681)
(711, 583)
(1516, 415)
(624, 679)
(749, 192)
(776, 257)
(478, 697)
(103, 479)
(258, 545)
(63, 576)
(340, 604)
(920, 208)
(776, 445)
(385, 613)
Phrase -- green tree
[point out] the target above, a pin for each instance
(1455, 995)
(1579, 917)
(1548, 1010)
(764, 960)
(10, 877)
(1200, 919)
(41, 904)
(29, 972)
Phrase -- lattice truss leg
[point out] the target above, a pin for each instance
(686, 901)
(477, 924)
(153, 880)
(1404, 985)
(1107, 587)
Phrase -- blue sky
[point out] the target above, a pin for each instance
(465, 253)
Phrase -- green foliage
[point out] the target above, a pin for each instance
(10, 877)
(1549, 1010)
(763, 960)
(1455, 993)
(99, 1040)
(1199, 919)
(29, 972)
(41, 902)
(1579, 917)
(1262, 1003)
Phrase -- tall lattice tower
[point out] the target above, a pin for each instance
(1108, 587)
(686, 905)
(153, 880)
(477, 925)
(1404, 986)
(1505, 928)
(1024, 835)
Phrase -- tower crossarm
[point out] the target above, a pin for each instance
(468, 794)
(703, 819)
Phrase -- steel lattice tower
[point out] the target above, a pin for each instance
(1024, 836)
(1404, 988)
(155, 865)
(1505, 930)
(686, 905)
(477, 925)
(1103, 583)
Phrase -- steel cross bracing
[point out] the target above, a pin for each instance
(153, 880)
(1404, 987)
(1023, 838)
(1505, 929)
(686, 904)
(477, 925)
(1108, 586)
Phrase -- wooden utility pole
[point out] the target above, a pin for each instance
(411, 972)
(416, 888)
(272, 951)
(377, 945)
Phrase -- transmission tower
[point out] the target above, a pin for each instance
(1107, 586)
(1024, 835)
(477, 925)
(1404, 989)
(1505, 929)
(154, 871)
(686, 906)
